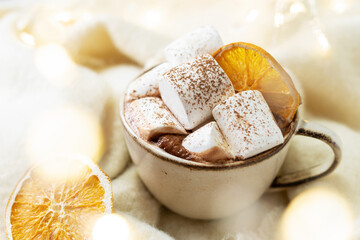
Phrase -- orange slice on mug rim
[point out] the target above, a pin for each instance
(250, 67)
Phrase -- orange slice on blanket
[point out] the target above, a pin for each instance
(58, 201)
(250, 67)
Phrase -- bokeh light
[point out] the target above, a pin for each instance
(27, 38)
(54, 63)
(63, 131)
(317, 214)
(279, 19)
(67, 167)
(152, 18)
(339, 6)
(297, 7)
(252, 15)
(65, 17)
(84, 16)
(322, 40)
(111, 227)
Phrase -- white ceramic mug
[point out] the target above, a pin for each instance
(205, 191)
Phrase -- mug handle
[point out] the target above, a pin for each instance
(298, 177)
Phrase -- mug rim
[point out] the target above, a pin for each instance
(164, 156)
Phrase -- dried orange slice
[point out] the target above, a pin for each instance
(251, 67)
(58, 201)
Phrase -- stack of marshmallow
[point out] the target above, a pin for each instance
(189, 92)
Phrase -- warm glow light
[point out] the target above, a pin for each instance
(64, 17)
(111, 227)
(27, 38)
(339, 6)
(152, 18)
(67, 166)
(85, 16)
(297, 7)
(278, 19)
(131, 7)
(55, 65)
(322, 40)
(252, 15)
(63, 131)
(317, 214)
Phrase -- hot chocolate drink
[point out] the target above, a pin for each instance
(190, 108)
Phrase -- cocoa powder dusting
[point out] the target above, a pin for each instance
(196, 79)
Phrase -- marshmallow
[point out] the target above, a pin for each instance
(247, 123)
(191, 90)
(147, 85)
(149, 117)
(198, 42)
(208, 143)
